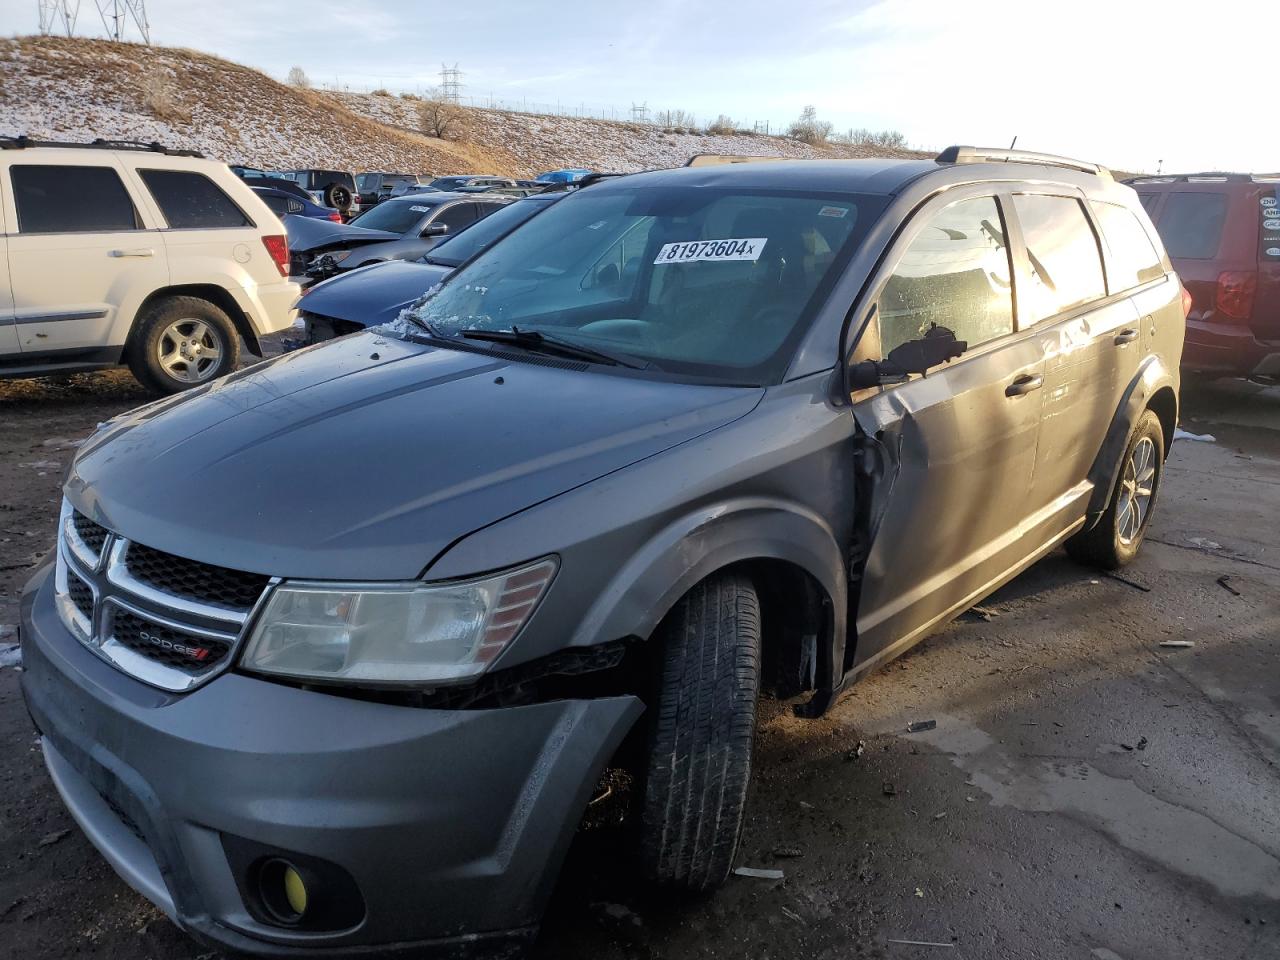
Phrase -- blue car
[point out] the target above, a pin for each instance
(567, 175)
(374, 294)
(284, 204)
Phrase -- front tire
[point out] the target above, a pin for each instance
(1116, 538)
(182, 342)
(703, 730)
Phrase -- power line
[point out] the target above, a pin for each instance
(450, 83)
(59, 16)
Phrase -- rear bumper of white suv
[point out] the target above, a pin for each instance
(270, 307)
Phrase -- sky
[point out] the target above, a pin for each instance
(1127, 84)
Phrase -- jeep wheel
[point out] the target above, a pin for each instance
(182, 342)
(337, 196)
(703, 726)
(1115, 539)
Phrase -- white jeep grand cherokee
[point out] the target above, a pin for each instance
(121, 253)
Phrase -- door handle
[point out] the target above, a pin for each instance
(138, 252)
(1128, 335)
(1024, 385)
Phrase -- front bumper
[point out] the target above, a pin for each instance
(452, 824)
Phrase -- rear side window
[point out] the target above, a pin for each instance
(1191, 225)
(54, 199)
(192, 201)
(1066, 269)
(1131, 256)
(1269, 239)
(457, 217)
(955, 274)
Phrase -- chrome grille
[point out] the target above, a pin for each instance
(92, 535)
(192, 580)
(169, 621)
(164, 644)
(81, 595)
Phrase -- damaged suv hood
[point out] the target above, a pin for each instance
(365, 458)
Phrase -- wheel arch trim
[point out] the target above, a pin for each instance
(1154, 387)
(700, 543)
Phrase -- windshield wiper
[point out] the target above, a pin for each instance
(422, 325)
(538, 342)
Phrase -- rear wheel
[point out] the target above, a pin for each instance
(703, 729)
(182, 342)
(1115, 539)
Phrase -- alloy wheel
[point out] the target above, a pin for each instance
(189, 350)
(1136, 489)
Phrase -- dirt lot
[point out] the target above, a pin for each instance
(1085, 793)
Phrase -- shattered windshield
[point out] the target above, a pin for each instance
(712, 282)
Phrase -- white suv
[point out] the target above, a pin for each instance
(115, 252)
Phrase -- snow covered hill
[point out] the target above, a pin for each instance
(80, 89)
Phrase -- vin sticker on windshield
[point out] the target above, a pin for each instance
(692, 251)
(420, 209)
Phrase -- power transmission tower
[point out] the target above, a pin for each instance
(450, 83)
(57, 16)
(640, 112)
(116, 15)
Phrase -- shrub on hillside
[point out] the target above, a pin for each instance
(721, 126)
(382, 92)
(862, 137)
(442, 119)
(158, 98)
(809, 129)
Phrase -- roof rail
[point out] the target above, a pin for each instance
(715, 159)
(959, 154)
(23, 142)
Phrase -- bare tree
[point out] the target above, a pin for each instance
(298, 78)
(862, 137)
(442, 118)
(722, 125)
(809, 129)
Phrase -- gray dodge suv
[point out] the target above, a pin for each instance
(333, 652)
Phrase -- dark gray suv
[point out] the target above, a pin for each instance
(336, 650)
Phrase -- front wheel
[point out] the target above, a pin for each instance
(182, 342)
(702, 735)
(1115, 539)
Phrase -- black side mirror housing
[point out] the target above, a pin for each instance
(938, 345)
(436, 230)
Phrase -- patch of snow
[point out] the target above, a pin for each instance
(10, 655)
(1180, 434)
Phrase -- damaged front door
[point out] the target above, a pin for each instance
(948, 456)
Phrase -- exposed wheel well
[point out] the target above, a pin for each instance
(796, 624)
(216, 295)
(1164, 404)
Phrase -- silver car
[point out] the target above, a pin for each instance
(683, 437)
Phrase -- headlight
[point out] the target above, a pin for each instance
(403, 633)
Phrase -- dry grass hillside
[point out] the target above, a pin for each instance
(80, 89)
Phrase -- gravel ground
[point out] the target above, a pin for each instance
(1085, 793)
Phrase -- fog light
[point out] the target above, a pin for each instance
(295, 891)
(283, 891)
